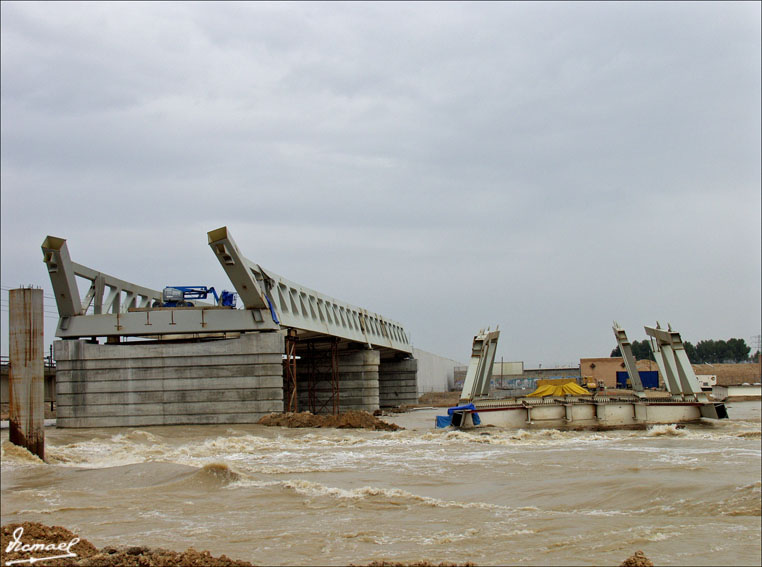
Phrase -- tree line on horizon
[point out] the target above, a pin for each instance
(711, 351)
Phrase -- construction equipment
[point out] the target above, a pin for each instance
(180, 296)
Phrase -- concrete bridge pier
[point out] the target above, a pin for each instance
(143, 383)
(397, 382)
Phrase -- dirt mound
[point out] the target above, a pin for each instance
(637, 559)
(346, 420)
(417, 564)
(87, 555)
(142, 556)
(45, 536)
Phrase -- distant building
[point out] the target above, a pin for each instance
(605, 369)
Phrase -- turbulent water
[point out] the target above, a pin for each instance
(283, 496)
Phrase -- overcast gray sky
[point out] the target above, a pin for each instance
(543, 167)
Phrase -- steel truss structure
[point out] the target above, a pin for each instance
(116, 308)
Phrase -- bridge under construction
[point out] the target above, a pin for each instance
(128, 357)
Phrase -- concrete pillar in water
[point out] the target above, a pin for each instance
(26, 384)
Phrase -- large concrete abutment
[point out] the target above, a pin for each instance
(397, 382)
(132, 384)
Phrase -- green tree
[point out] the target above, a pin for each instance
(706, 351)
(641, 350)
(738, 350)
(690, 350)
(709, 350)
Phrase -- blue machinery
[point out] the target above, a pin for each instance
(179, 296)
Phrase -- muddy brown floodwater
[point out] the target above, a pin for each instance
(283, 496)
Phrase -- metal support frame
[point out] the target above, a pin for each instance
(673, 363)
(625, 348)
(290, 393)
(318, 358)
(477, 382)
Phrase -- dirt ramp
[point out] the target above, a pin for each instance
(346, 420)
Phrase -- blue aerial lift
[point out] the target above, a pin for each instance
(180, 296)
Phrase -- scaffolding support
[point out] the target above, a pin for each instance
(319, 359)
(290, 394)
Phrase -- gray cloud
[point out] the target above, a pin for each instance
(545, 167)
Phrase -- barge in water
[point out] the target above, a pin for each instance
(686, 402)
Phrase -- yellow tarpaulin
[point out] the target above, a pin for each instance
(568, 389)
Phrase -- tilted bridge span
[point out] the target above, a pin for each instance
(288, 348)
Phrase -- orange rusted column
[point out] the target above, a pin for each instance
(26, 384)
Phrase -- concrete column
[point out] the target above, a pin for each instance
(26, 384)
(397, 382)
(358, 381)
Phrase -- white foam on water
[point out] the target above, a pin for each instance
(15, 456)
(313, 489)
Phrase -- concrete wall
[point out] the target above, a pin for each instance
(225, 381)
(435, 373)
(397, 382)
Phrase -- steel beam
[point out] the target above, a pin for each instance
(121, 297)
(61, 272)
(479, 374)
(243, 274)
(625, 348)
(674, 362)
(165, 321)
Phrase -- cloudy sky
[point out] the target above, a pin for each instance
(543, 167)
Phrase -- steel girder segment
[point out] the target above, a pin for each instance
(121, 308)
(669, 379)
(479, 372)
(302, 308)
(625, 348)
(243, 274)
(56, 257)
(122, 295)
(676, 360)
